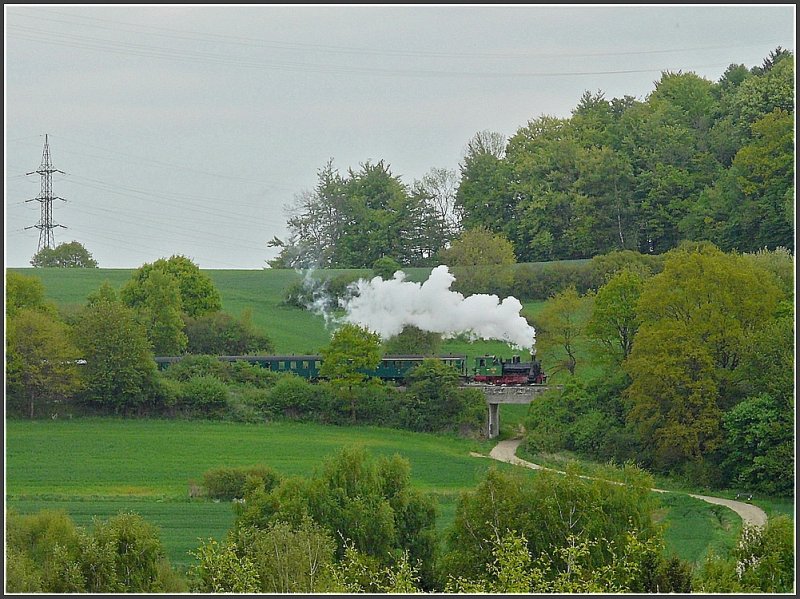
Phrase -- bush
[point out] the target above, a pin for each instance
(230, 483)
(293, 397)
(206, 394)
(219, 333)
(385, 267)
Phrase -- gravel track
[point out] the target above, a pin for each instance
(506, 451)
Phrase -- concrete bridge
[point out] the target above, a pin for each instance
(500, 394)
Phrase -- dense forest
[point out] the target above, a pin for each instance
(696, 160)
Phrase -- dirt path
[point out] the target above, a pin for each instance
(506, 451)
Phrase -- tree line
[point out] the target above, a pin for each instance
(696, 160)
(99, 359)
(694, 369)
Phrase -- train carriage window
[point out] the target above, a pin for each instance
(305, 364)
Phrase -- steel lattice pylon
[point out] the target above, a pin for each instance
(45, 198)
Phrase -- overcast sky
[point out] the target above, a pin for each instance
(186, 129)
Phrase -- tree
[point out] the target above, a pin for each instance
(765, 175)
(435, 401)
(364, 502)
(481, 261)
(562, 324)
(759, 444)
(763, 561)
(120, 555)
(352, 221)
(161, 314)
(120, 369)
(483, 197)
(219, 333)
(220, 570)
(41, 361)
(353, 349)
(697, 316)
(286, 558)
(413, 340)
(437, 190)
(23, 291)
(614, 321)
(65, 255)
(197, 291)
(549, 510)
(385, 267)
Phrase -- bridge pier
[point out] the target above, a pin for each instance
(493, 425)
(496, 395)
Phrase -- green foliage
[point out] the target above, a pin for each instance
(197, 291)
(561, 324)
(548, 510)
(120, 555)
(352, 221)
(413, 341)
(161, 314)
(220, 570)
(288, 559)
(614, 321)
(434, 401)
(120, 371)
(762, 562)
(41, 368)
(229, 483)
(636, 565)
(697, 318)
(479, 257)
(385, 267)
(293, 396)
(360, 573)
(218, 333)
(352, 350)
(759, 445)
(205, 394)
(64, 255)
(23, 291)
(357, 499)
(583, 417)
(136, 551)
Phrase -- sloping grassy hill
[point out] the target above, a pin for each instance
(292, 330)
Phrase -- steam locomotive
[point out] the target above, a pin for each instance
(486, 369)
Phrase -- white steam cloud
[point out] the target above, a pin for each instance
(385, 307)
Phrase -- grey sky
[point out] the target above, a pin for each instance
(186, 129)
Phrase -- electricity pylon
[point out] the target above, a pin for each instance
(45, 198)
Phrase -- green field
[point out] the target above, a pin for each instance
(99, 466)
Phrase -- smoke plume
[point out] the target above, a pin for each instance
(386, 306)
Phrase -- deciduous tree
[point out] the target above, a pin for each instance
(197, 291)
(353, 349)
(41, 362)
(65, 255)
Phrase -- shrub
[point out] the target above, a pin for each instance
(221, 334)
(293, 396)
(230, 483)
(206, 394)
(385, 267)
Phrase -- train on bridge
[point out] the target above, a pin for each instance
(486, 369)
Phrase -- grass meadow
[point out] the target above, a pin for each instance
(99, 466)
